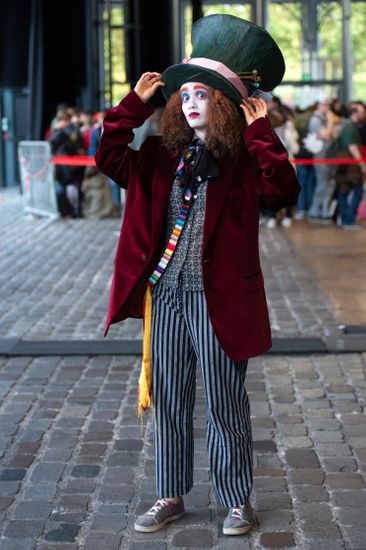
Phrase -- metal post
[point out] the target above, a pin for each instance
(310, 40)
(137, 39)
(100, 36)
(175, 37)
(259, 12)
(89, 98)
(3, 124)
(347, 58)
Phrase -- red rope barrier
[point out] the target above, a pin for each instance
(327, 161)
(79, 160)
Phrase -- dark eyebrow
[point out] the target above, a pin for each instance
(196, 87)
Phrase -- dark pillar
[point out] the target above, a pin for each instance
(35, 73)
(64, 54)
(156, 39)
(197, 10)
(310, 40)
(14, 42)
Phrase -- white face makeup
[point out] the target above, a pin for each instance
(196, 103)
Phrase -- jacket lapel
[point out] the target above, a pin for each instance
(217, 190)
(161, 188)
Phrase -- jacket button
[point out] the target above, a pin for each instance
(143, 258)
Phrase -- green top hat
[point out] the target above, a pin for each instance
(229, 54)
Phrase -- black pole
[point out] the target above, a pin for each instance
(35, 73)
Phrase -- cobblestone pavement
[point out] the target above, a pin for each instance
(77, 464)
(54, 282)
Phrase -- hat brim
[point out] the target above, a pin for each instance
(176, 75)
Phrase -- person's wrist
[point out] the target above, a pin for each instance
(255, 119)
(139, 94)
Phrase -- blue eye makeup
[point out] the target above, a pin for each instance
(199, 94)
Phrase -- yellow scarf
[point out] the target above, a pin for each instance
(145, 380)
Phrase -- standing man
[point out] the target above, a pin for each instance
(305, 172)
(321, 124)
(349, 178)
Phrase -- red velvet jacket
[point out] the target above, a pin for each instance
(232, 277)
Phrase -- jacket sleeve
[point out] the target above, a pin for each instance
(278, 184)
(114, 157)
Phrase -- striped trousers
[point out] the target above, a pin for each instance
(182, 335)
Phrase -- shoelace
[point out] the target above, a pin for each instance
(157, 506)
(238, 512)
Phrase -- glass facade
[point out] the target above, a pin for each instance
(310, 35)
(112, 51)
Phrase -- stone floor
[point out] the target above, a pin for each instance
(76, 463)
(342, 275)
(55, 280)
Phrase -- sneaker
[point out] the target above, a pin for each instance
(163, 512)
(300, 215)
(332, 207)
(271, 223)
(286, 222)
(239, 520)
(351, 227)
(326, 220)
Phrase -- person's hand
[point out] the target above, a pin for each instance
(254, 108)
(147, 86)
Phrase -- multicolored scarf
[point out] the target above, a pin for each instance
(195, 165)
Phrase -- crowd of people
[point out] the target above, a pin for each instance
(81, 190)
(84, 191)
(330, 193)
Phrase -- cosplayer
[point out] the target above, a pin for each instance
(188, 257)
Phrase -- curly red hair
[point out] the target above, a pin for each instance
(224, 135)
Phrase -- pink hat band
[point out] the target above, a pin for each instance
(219, 68)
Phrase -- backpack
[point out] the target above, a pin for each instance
(302, 125)
(312, 143)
